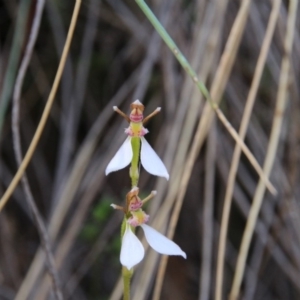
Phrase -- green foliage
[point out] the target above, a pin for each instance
(100, 214)
(89, 232)
(102, 210)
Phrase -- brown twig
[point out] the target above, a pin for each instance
(271, 152)
(45, 114)
(18, 151)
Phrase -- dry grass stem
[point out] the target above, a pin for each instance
(237, 151)
(238, 58)
(18, 151)
(208, 224)
(46, 112)
(281, 102)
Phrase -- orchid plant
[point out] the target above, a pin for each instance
(135, 149)
(130, 150)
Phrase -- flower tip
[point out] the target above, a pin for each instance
(183, 254)
(165, 175)
(137, 101)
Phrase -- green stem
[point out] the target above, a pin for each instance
(127, 274)
(134, 170)
(123, 227)
(134, 175)
(171, 44)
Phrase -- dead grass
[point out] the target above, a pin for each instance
(239, 49)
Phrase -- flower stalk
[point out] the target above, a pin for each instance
(134, 150)
(134, 170)
(126, 274)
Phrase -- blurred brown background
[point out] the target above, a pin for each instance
(116, 57)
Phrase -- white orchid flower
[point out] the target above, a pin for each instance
(149, 159)
(132, 251)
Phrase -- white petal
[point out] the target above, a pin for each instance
(132, 251)
(151, 162)
(122, 158)
(160, 243)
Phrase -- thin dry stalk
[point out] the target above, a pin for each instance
(213, 20)
(202, 88)
(45, 115)
(69, 182)
(117, 291)
(257, 136)
(80, 165)
(237, 151)
(18, 151)
(208, 221)
(225, 66)
(70, 123)
(274, 250)
(46, 111)
(271, 152)
(68, 101)
(246, 151)
(217, 89)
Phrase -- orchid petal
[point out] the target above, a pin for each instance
(151, 162)
(122, 158)
(160, 243)
(132, 251)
